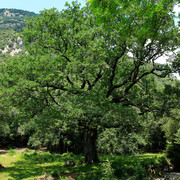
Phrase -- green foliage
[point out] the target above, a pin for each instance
(123, 131)
(114, 7)
(5, 117)
(55, 174)
(171, 128)
(140, 167)
(177, 138)
(7, 36)
(173, 153)
(4, 129)
(153, 133)
(118, 141)
(107, 170)
(171, 125)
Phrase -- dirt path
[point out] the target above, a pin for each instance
(2, 151)
(20, 149)
(170, 176)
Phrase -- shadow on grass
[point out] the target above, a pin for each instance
(34, 165)
(3, 152)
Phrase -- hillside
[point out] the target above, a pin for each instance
(12, 21)
(15, 19)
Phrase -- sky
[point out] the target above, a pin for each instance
(36, 5)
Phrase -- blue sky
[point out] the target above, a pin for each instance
(36, 5)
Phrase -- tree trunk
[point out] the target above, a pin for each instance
(61, 146)
(90, 151)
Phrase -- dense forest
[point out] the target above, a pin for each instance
(88, 82)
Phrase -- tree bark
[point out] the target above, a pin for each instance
(90, 151)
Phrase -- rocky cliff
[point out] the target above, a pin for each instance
(12, 22)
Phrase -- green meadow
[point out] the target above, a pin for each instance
(31, 164)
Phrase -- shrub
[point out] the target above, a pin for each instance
(55, 174)
(139, 167)
(107, 170)
(173, 153)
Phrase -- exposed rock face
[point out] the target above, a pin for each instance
(13, 18)
(15, 49)
(12, 21)
(5, 50)
(7, 13)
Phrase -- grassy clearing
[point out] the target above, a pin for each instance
(32, 164)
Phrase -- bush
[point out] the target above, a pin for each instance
(116, 141)
(107, 170)
(173, 153)
(55, 174)
(140, 167)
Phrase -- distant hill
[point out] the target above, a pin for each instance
(12, 21)
(14, 18)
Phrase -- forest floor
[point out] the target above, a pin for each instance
(25, 164)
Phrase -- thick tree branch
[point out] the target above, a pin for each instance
(53, 99)
(99, 75)
(83, 84)
(63, 55)
(61, 87)
(126, 91)
(65, 44)
(55, 48)
(144, 108)
(111, 86)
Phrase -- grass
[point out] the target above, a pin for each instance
(32, 164)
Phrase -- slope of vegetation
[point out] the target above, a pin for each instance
(14, 18)
(12, 22)
(10, 42)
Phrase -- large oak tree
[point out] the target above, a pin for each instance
(81, 68)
